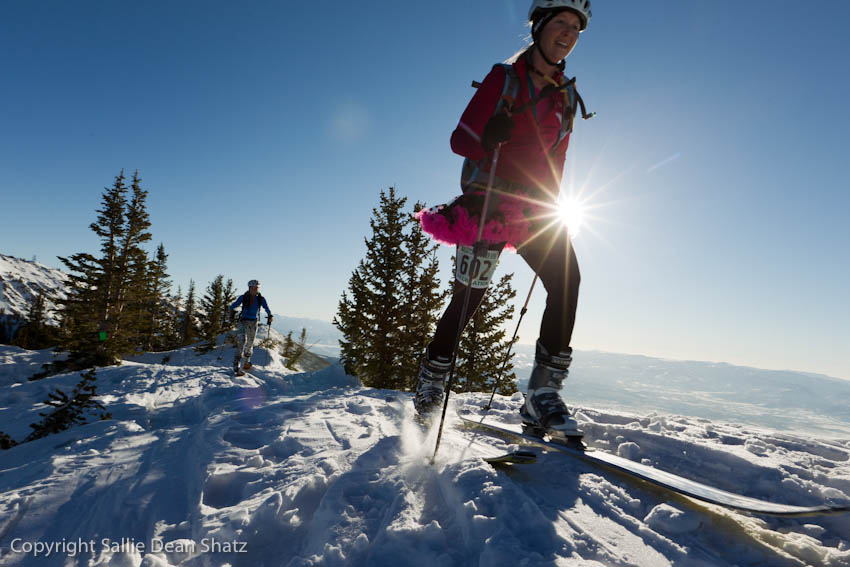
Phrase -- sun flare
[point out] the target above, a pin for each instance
(572, 213)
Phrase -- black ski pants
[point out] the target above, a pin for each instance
(550, 254)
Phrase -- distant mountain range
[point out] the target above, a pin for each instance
(22, 280)
(780, 399)
(322, 336)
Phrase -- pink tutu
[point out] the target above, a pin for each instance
(512, 220)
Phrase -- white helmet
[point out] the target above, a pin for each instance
(580, 7)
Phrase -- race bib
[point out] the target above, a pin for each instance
(479, 269)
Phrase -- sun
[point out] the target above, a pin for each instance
(572, 213)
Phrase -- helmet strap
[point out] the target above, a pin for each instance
(559, 64)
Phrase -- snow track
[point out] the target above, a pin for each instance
(309, 469)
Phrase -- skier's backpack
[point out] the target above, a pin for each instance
(471, 170)
(246, 298)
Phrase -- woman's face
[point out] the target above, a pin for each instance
(560, 35)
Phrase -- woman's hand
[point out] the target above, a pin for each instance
(496, 131)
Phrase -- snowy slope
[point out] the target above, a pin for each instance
(22, 280)
(810, 402)
(310, 468)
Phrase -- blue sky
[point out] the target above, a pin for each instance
(716, 168)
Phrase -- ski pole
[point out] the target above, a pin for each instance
(480, 248)
(268, 345)
(511, 344)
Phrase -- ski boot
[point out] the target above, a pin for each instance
(544, 412)
(431, 386)
(237, 366)
(247, 365)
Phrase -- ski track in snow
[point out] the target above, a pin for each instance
(312, 469)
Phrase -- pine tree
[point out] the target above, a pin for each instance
(175, 322)
(188, 321)
(288, 344)
(134, 328)
(157, 319)
(92, 283)
(294, 350)
(212, 312)
(229, 294)
(228, 324)
(422, 299)
(484, 344)
(6, 442)
(36, 333)
(69, 411)
(130, 301)
(101, 317)
(387, 306)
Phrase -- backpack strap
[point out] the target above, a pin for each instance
(472, 169)
(569, 116)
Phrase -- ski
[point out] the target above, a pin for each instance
(658, 477)
(518, 457)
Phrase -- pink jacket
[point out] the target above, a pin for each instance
(528, 157)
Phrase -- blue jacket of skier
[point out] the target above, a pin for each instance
(251, 305)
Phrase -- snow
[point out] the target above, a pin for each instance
(22, 280)
(298, 468)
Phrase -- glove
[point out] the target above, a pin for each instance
(497, 131)
(232, 316)
(269, 319)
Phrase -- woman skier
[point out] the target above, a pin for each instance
(520, 119)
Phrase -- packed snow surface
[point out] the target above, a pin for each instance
(285, 468)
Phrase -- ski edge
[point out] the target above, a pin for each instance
(654, 476)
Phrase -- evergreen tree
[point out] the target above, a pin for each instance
(188, 322)
(422, 299)
(381, 313)
(130, 302)
(294, 350)
(175, 322)
(288, 344)
(158, 285)
(229, 294)
(92, 283)
(101, 314)
(484, 344)
(6, 442)
(135, 315)
(69, 411)
(212, 313)
(36, 333)
(229, 298)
